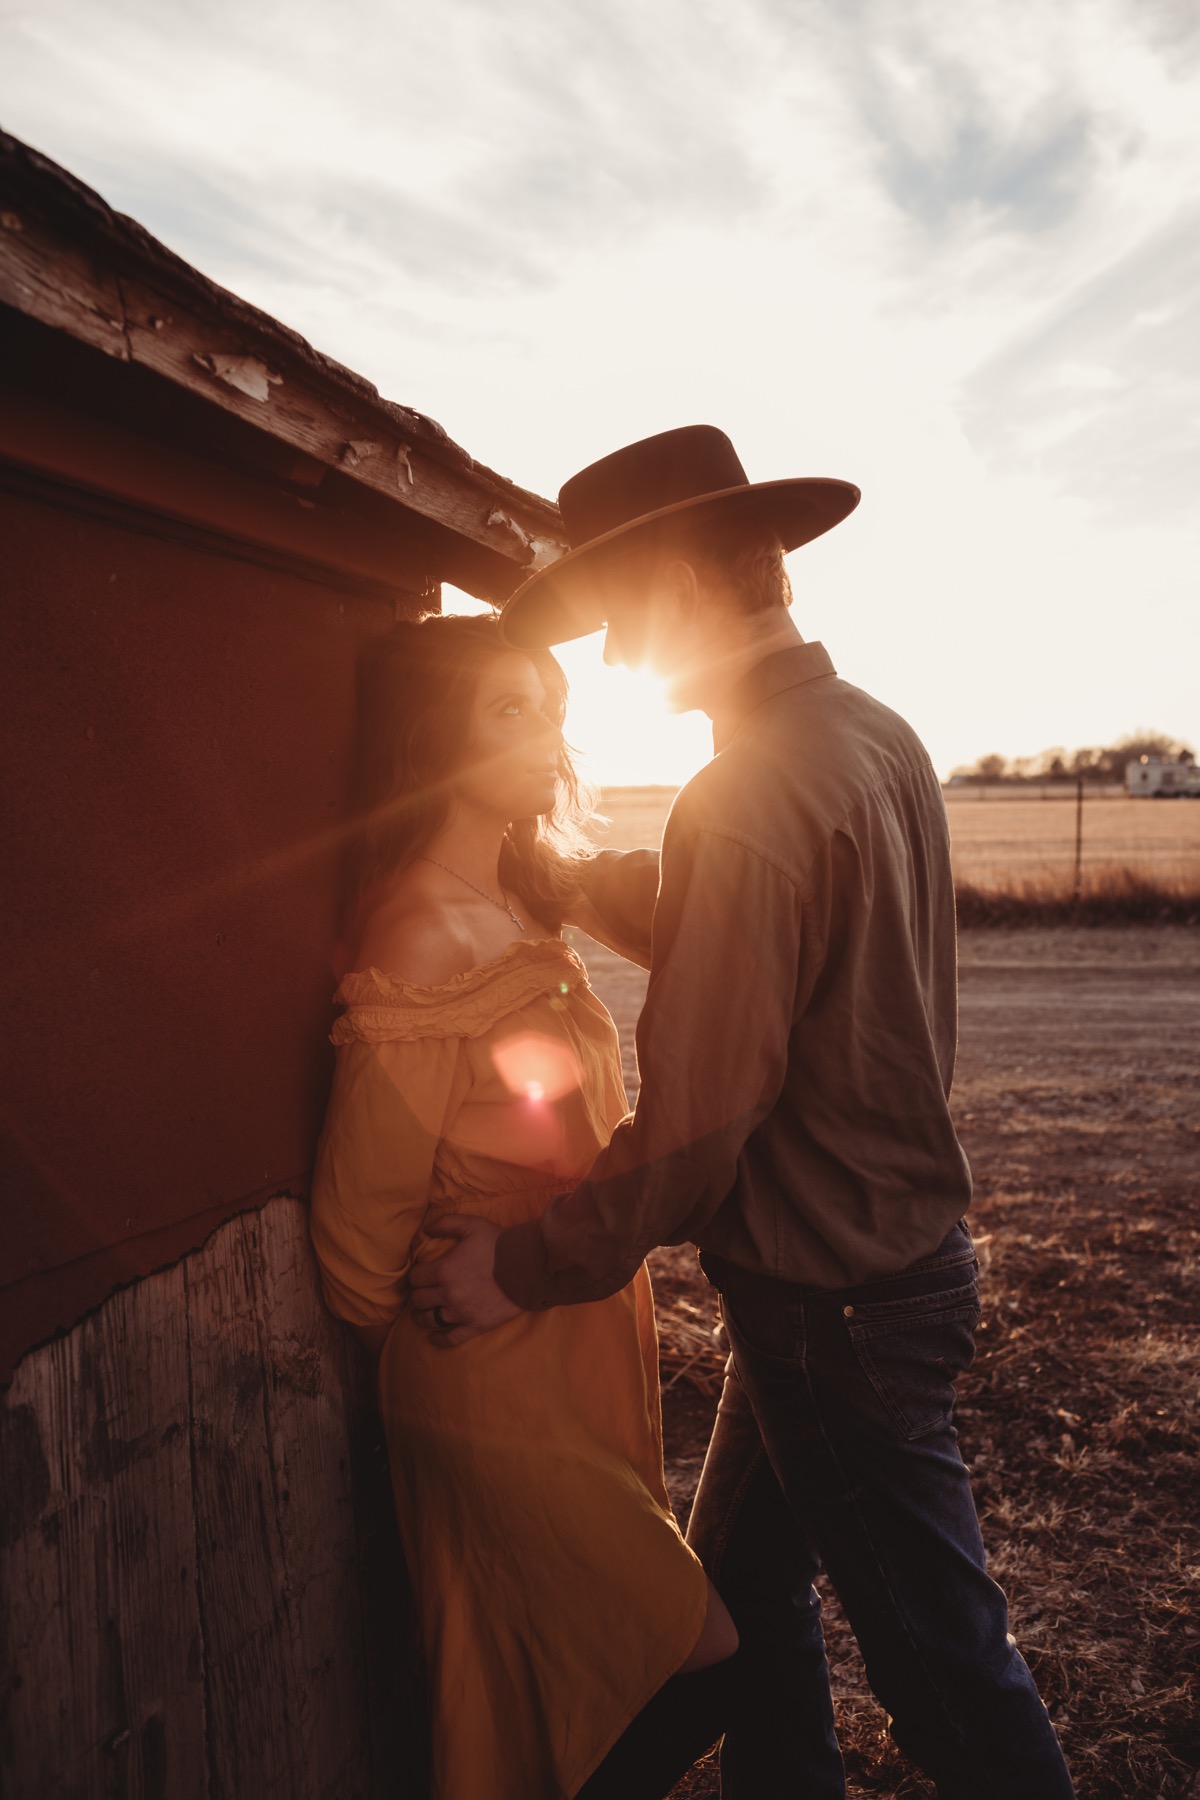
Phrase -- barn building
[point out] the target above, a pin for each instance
(203, 520)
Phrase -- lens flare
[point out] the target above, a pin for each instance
(537, 1068)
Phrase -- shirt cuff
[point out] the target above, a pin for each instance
(521, 1267)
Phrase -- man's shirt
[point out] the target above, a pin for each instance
(797, 1042)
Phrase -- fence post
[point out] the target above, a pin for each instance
(1077, 893)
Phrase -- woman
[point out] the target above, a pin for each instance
(559, 1607)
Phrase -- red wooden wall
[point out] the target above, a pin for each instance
(176, 725)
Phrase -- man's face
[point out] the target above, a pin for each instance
(625, 633)
(652, 626)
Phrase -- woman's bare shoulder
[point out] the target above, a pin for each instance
(406, 930)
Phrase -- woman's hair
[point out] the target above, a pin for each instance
(416, 687)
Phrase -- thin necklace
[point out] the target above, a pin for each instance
(482, 892)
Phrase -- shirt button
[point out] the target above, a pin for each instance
(847, 1312)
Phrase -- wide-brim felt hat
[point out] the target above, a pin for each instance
(620, 504)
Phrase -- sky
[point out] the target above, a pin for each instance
(946, 249)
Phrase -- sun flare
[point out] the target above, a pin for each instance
(618, 720)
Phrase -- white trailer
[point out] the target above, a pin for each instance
(1163, 778)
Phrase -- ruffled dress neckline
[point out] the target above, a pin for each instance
(382, 1005)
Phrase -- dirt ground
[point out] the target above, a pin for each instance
(1078, 1100)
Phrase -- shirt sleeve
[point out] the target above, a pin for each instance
(622, 886)
(712, 1042)
(390, 1105)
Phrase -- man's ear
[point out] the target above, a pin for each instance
(681, 582)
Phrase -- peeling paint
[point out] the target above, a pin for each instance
(404, 458)
(246, 373)
(507, 523)
(542, 551)
(545, 552)
(358, 450)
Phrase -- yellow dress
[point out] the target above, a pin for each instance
(554, 1591)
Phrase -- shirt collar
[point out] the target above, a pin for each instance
(782, 669)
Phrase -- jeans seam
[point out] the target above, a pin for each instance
(962, 1259)
(912, 1313)
(955, 1730)
(898, 1610)
(730, 1512)
(884, 1572)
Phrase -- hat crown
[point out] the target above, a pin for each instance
(666, 470)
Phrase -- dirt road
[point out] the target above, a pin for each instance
(1094, 1009)
(1077, 1096)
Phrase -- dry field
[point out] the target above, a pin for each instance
(999, 837)
(1077, 1098)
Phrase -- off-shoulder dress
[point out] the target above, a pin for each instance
(554, 1590)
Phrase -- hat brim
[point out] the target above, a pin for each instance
(571, 598)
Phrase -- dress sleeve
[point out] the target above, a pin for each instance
(391, 1103)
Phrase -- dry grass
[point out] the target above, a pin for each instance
(1080, 1423)
(1014, 857)
(1077, 1102)
(1110, 894)
(1002, 838)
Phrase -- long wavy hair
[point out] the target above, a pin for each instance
(416, 687)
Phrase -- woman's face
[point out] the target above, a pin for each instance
(510, 767)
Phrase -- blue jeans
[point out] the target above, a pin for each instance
(834, 1447)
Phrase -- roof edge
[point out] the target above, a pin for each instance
(58, 233)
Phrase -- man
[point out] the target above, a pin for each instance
(796, 1050)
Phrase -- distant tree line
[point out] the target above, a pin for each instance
(1103, 764)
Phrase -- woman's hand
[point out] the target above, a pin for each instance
(455, 1297)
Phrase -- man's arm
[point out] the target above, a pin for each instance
(618, 891)
(712, 1047)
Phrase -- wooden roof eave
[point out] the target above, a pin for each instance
(71, 263)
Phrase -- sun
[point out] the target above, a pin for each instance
(618, 720)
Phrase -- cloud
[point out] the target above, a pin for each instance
(1102, 395)
(1173, 27)
(466, 148)
(1033, 180)
(943, 249)
(951, 151)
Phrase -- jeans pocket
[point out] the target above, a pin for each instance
(912, 1350)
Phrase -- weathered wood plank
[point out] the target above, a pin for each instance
(88, 292)
(101, 1649)
(272, 1459)
(187, 1605)
(220, 363)
(72, 292)
(309, 1381)
(249, 1684)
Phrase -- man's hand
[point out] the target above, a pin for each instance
(455, 1297)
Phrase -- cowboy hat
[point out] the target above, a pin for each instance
(620, 503)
